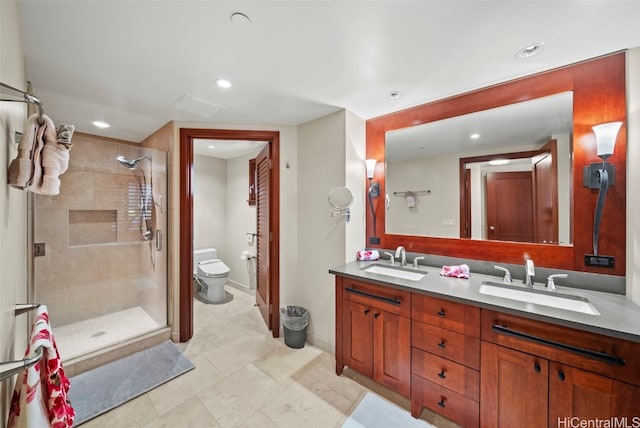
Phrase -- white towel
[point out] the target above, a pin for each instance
(40, 396)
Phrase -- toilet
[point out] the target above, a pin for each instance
(211, 273)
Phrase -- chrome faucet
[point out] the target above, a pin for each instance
(391, 259)
(402, 254)
(529, 273)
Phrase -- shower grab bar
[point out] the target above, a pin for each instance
(10, 368)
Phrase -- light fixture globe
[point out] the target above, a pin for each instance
(606, 134)
(371, 167)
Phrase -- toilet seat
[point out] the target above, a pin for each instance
(213, 268)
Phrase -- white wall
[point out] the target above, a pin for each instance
(633, 174)
(321, 238)
(210, 203)
(241, 219)
(13, 202)
(331, 152)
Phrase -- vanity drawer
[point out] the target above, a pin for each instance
(609, 356)
(386, 298)
(454, 376)
(444, 313)
(446, 343)
(458, 408)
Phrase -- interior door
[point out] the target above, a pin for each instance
(545, 195)
(264, 230)
(509, 206)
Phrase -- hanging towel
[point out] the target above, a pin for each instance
(461, 271)
(21, 168)
(43, 155)
(40, 397)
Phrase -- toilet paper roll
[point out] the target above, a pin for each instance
(245, 255)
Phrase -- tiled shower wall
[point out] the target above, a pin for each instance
(96, 262)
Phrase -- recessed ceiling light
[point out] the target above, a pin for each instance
(212, 147)
(240, 19)
(474, 136)
(223, 83)
(497, 162)
(394, 95)
(100, 124)
(529, 51)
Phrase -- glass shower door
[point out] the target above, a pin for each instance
(102, 271)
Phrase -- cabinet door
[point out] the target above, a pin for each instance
(513, 388)
(357, 337)
(575, 393)
(392, 350)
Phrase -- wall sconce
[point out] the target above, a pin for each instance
(373, 192)
(601, 176)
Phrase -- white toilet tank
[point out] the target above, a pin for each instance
(202, 255)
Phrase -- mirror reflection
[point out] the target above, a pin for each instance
(499, 174)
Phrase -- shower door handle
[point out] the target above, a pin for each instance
(158, 240)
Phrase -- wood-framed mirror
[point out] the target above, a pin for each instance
(598, 90)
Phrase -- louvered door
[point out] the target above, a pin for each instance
(263, 189)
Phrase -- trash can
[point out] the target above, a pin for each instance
(295, 320)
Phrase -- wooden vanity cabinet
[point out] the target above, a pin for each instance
(445, 356)
(539, 374)
(373, 332)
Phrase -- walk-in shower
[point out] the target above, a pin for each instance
(103, 275)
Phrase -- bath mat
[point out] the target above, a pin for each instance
(376, 412)
(99, 390)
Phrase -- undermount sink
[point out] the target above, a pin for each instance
(396, 272)
(539, 297)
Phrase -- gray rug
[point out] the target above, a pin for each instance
(99, 390)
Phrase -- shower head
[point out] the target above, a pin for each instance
(130, 164)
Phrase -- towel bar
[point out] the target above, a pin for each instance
(27, 98)
(9, 368)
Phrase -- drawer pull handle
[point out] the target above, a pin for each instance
(366, 311)
(442, 313)
(442, 374)
(376, 315)
(442, 344)
(600, 356)
(561, 375)
(442, 401)
(536, 367)
(391, 301)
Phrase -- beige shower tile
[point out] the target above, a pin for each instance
(58, 306)
(283, 363)
(297, 406)
(135, 413)
(92, 227)
(110, 191)
(51, 227)
(126, 260)
(93, 154)
(238, 396)
(76, 192)
(171, 394)
(92, 299)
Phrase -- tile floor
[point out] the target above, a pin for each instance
(245, 378)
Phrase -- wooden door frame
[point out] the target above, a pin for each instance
(187, 135)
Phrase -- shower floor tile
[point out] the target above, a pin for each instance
(86, 336)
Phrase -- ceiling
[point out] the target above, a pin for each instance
(128, 62)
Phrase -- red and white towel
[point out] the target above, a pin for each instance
(40, 396)
(367, 255)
